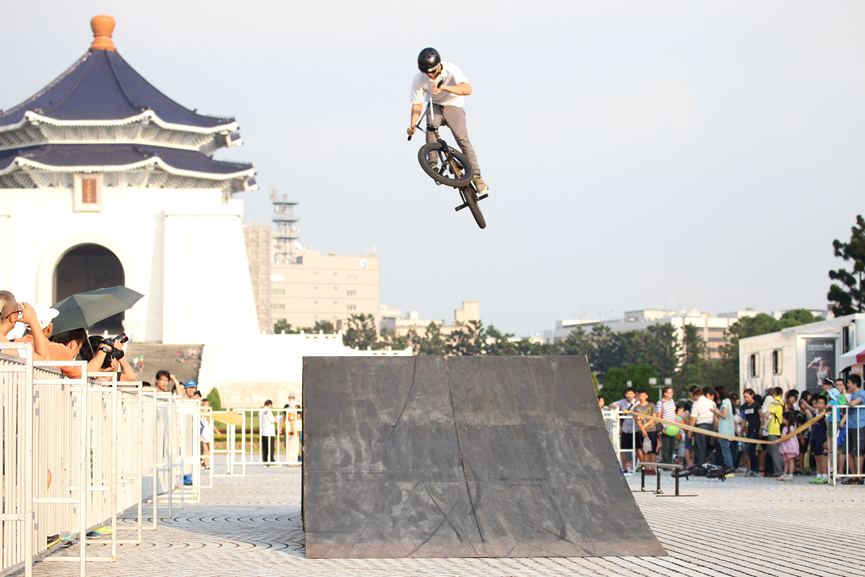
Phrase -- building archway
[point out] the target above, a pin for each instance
(88, 267)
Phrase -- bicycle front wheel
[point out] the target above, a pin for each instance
(450, 168)
(470, 197)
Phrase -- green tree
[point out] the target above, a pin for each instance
(467, 340)
(796, 317)
(578, 343)
(603, 353)
(693, 367)
(617, 381)
(528, 347)
(390, 339)
(432, 343)
(282, 326)
(725, 370)
(325, 327)
(213, 397)
(361, 333)
(849, 296)
(498, 343)
(665, 350)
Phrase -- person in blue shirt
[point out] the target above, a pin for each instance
(855, 425)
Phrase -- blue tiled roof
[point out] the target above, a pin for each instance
(102, 86)
(71, 155)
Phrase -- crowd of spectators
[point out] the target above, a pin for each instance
(770, 418)
(23, 323)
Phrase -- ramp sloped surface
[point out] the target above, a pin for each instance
(462, 457)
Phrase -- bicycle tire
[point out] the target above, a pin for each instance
(470, 197)
(463, 169)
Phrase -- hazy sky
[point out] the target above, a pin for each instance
(661, 154)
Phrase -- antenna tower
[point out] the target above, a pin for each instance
(287, 232)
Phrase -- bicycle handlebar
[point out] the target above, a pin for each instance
(428, 106)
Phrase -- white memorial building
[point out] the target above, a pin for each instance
(106, 181)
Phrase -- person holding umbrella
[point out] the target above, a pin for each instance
(83, 310)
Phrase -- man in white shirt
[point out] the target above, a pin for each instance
(702, 417)
(446, 84)
(267, 430)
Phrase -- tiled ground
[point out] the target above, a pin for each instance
(750, 527)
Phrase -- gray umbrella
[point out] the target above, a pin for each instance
(86, 309)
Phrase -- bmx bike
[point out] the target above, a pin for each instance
(445, 165)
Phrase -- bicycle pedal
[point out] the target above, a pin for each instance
(460, 207)
(483, 196)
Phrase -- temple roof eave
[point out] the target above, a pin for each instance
(31, 117)
(22, 162)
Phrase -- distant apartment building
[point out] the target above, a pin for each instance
(712, 329)
(324, 287)
(392, 320)
(302, 285)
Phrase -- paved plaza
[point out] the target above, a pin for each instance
(251, 526)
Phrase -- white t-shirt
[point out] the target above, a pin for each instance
(702, 411)
(421, 86)
(266, 423)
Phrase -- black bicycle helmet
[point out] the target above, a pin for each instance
(428, 60)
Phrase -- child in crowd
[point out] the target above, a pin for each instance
(818, 439)
(803, 466)
(681, 455)
(789, 448)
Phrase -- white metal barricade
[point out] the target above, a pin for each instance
(234, 456)
(16, 514)
(178, 457)
(206, 432)
(75, 453)
(288, 440)
(846, 443)
(614, 419)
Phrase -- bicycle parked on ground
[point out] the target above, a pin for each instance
(449, 166)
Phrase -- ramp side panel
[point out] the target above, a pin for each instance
(461, 457)
(381, 460)
(537, 456)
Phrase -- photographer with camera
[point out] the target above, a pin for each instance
(112, 355)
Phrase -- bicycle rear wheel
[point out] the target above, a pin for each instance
(453, 168)
(470, 198)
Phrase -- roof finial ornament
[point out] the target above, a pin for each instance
(103, 27)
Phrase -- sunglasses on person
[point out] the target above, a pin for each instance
(15, 312)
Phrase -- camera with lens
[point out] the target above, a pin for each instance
(112, 355)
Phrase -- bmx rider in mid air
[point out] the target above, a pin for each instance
(447, 86)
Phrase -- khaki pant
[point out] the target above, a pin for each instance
(454, 117)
